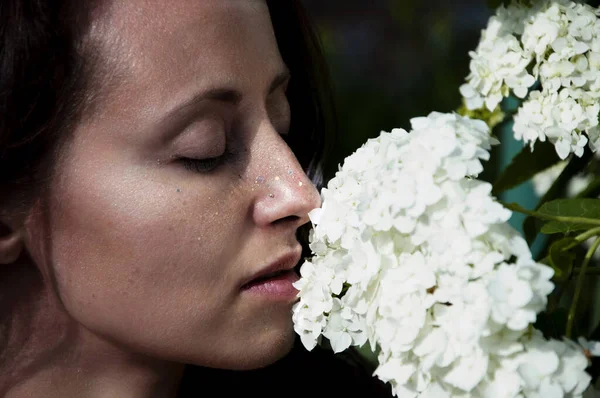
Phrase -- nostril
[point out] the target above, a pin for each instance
(286, 220)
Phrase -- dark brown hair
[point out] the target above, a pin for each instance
(42, 81)
(313, 115)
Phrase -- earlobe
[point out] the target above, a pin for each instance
(11, 245)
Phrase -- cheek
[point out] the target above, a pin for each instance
(125, 246)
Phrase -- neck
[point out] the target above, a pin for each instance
(43, 352)
(103, 378)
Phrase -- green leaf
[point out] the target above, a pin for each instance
(557, 190)
(531, 226)
(561, 260)
(525, 165)
(577, 207)
(559, 227)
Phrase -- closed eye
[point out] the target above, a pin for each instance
(204, 166)
(200, 165)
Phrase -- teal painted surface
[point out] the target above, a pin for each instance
(523, 194)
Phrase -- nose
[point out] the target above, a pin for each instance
(284, 193)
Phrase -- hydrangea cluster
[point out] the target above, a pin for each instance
(412, 255)
(549, 55)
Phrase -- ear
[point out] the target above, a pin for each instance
(11, 243)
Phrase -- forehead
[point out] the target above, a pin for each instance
(180, 46)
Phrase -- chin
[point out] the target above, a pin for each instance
(254, 353)
(265, 354)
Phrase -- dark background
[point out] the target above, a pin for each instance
(392, 60)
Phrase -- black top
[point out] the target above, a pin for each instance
(315, 374)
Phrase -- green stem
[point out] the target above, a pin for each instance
(583, 237)
(548, 217)
(578, 240)
(578, 287)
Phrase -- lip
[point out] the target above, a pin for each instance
(279, 284)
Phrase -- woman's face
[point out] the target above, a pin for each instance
(178, 188)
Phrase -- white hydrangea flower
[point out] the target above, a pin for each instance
(553, 368)
(412, 254)
(541, 28)
(555, 43)
(592, 347)
(346, 324)
(499, 62)
(502, 383)
(509, 295)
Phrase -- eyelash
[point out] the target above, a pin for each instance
(207, 165)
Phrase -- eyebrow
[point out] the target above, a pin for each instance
(226, 95)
